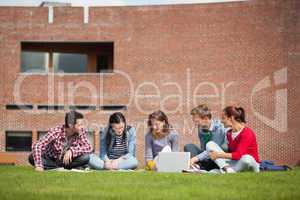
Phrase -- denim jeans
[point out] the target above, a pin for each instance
(246, 162)
(126, 162)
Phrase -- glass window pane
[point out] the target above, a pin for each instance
(18, 141)
(34, 62)
(69, 62)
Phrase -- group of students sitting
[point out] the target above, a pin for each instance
(226, 145)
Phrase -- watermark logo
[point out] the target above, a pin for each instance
(182, 95)
(279, 122)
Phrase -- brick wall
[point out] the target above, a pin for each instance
(203, 53)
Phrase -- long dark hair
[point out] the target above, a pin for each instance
(238, 113)
(115, 118)
(162, 117)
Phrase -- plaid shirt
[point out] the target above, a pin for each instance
(53, 145)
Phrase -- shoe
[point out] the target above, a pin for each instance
(216, 171)
(230, 170)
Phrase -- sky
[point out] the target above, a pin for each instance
(107, 2)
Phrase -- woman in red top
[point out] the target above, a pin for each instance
(242, 146)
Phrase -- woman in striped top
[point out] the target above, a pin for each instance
(117, 146)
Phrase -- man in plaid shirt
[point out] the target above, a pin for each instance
(63, 146)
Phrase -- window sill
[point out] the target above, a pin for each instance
(67, 74)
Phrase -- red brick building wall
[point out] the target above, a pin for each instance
(244, 53)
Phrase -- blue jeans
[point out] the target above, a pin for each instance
(128, 162)
(246, 162)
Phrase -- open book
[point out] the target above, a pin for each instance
(61, 169)
(195, 169)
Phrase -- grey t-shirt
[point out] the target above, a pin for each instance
(154, 146)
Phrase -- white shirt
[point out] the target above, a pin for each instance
(235, 134)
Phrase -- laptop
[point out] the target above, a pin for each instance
(173, 161)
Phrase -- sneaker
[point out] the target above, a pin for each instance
(216, 171)
(230, 170)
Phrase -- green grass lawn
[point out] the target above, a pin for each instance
(24, 183)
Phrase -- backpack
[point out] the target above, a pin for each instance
(268, 165)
